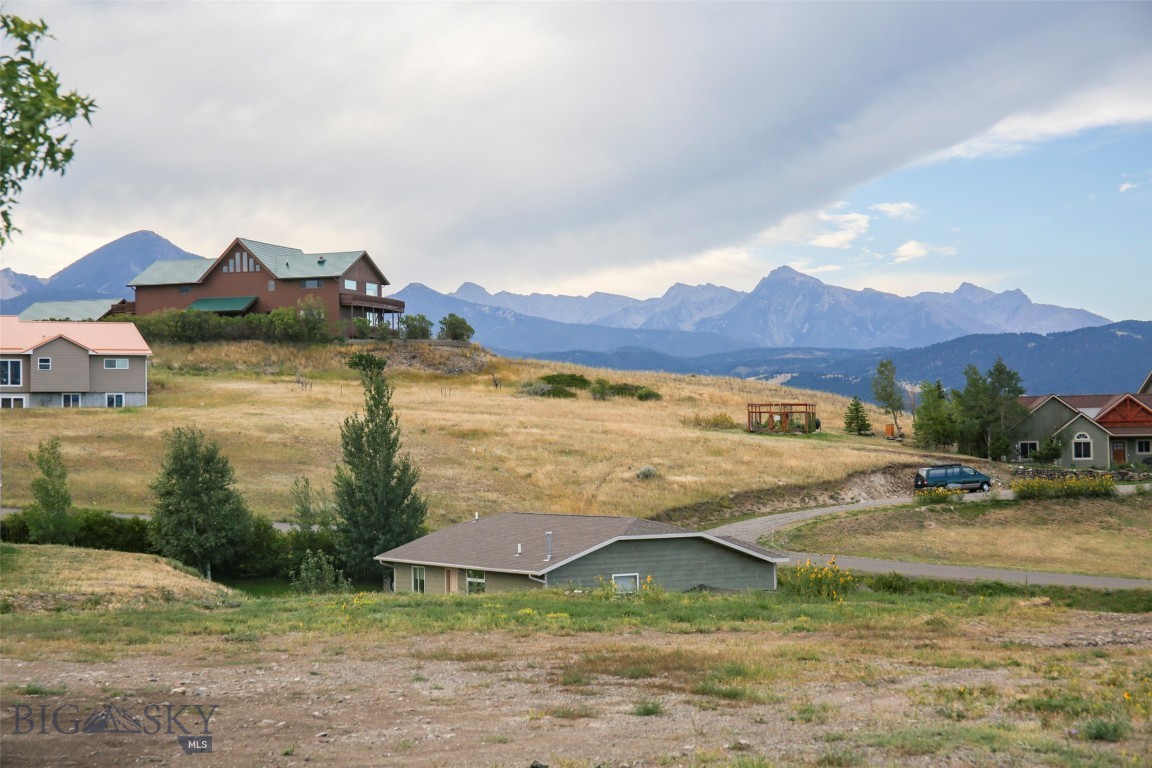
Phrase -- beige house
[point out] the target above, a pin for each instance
(72, 365)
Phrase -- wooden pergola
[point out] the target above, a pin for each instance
(782, 417)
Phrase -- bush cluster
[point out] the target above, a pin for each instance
(1064, 487)
(937, 495)
(306, 322)
(711, 421)
(826, 582)
(564, 384)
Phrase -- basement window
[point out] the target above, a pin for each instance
(626, 582)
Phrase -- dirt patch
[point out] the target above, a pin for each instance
(497, 699)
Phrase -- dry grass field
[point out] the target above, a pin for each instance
(1105, 537)
(480, 447)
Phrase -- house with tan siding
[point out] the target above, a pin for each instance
(515, 551)
(254, 277)
(72, 364)
(1097, 431)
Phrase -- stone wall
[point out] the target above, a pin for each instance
(1058, 473)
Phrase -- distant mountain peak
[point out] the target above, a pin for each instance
(471, 292)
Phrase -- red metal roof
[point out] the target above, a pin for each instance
(20, 338)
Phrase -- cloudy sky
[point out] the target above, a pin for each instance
(622, 147)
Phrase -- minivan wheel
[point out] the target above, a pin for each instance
(985, 487)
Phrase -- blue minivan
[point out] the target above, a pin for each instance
(952, 476)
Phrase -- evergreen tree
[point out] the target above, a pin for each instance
(887, 393)
(377, 505)
(935, 421)
(856, 418)
(987, 409)
(49, 517)
(199, 517)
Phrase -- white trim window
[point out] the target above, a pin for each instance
(349, 285)
(11, 373)
(12, 402)
(1026, 448)
(626, 582)
(417, 578)
(1144, 446)
(43, 363)
(1082, 447)
(477, 583)
(70, 400)
(114, 399)
(370, 289)
(115, 363)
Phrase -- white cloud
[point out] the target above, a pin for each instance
(805, 266)
(848, 227)
(905, 211)
(914, 249)
(823, 229)
(1128, 186)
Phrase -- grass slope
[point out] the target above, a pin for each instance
(481, 447)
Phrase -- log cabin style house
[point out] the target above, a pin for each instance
(255, 277)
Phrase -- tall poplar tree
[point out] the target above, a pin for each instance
(889, 395)
(377, 505)
(49, 517)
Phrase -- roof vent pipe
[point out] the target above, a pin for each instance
(548, 539)
(518, 549)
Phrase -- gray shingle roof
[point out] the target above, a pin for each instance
(173, 272)
(81, 309)
(490, 543)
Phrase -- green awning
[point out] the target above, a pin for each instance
(229, 304)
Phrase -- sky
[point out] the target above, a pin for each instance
(619, 147)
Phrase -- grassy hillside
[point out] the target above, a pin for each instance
(483, 448)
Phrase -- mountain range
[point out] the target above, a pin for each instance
(103, 273)
(791, 326)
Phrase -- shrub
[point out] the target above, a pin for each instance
(624, 390)
(318, 575)
(827, 582)
(100, 529)
(537, 388)
(14, 528)
(415, 327)
(1064, 487)
(1099, 729)
(711, 421)
(646, 394)
(892, 583)
(647, 472)
(647, 707)
(600, 389)
(455, 328)
(569, 380)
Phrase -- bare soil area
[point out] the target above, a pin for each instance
(504, 700)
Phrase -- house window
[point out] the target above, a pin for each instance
(114, 400)
(626, 582)
(185, 289)
(1082, 446)
(370, 289)
(476, 585)
(70, 400)
(43, 363)
(116, 364)
(311, 283)
(12, 402)
(1144, 446)
(417, 578)
(271, 285)
(1026, 449)
(349, 285)
(11, 373)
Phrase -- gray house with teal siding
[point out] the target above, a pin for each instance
(516, 551)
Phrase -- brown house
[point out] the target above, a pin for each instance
(258, 277)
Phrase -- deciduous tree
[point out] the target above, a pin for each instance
(199, 518)
(49, 517)
(34, 115)
(935, 421)
(415, 327)
(887, 393)
(455, 328)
